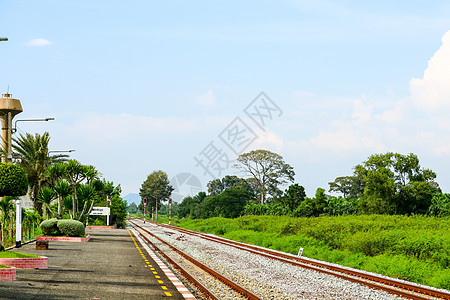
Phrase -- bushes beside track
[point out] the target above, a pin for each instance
(415, 248)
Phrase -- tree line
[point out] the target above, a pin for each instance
(58, 187)
(389, 183)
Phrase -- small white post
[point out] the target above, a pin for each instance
(300, 251)
(107, 218)
(18, 223)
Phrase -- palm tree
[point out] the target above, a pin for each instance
(6, 206)
(74, 174)
(46, 196)
(56, 174)
(90, 173)
(35, 159)
(31, 219)
(62, 189)
(86, 194)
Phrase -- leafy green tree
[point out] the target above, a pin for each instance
(188, 205)
(35, 159)
(312, 207)
(119, 210)
(217, 186)
(132, 208)
(351, 187)
(229, 204)
(13, 180)
(395, 183)
(293, 196)
(267, 168)
(156, 188)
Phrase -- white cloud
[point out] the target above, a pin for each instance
(268, 140)
(98, 128)
(345, 138)
(38, 42)
(207, 99)
(433, 90)
(392, 115)
(361, 112)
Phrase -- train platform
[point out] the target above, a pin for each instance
(114, 264)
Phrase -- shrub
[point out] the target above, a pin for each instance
(71, 227)
(54, 227)
(50, 227)
(13, 180)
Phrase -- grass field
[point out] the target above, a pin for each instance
(415, 248)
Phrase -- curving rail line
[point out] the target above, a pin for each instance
(243, 291)
(389, 285)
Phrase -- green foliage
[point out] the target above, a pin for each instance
(440, 205)
(72, 228)
(50, 227)
(119, 210)
(132, 208)
(13, 180)
(229, 204)
(268, 169)
(293, 196)
(65, 227)
(35, 160)
(189, 206)
(31, 219)
(217, 186)
(6, 205)
(256, 209)
(156, 188)
(312, 207)
(338, 206)
(395, 183)
(415, 248)
(351, 187)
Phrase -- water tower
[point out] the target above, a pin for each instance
(9, 107)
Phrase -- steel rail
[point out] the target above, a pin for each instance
(243, 291)
(336, 270)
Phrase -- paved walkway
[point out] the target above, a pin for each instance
(109, 266)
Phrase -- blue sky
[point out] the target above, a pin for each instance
(139, 86)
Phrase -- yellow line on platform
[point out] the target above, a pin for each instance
(148, 265)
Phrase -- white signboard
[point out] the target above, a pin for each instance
(100, 211)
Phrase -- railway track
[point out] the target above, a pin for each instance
(183, 262)
(390, 285)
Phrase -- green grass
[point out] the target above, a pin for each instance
(4, 267)
(415, 248)
(11, 254)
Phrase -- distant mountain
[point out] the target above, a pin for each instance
(133, 198)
